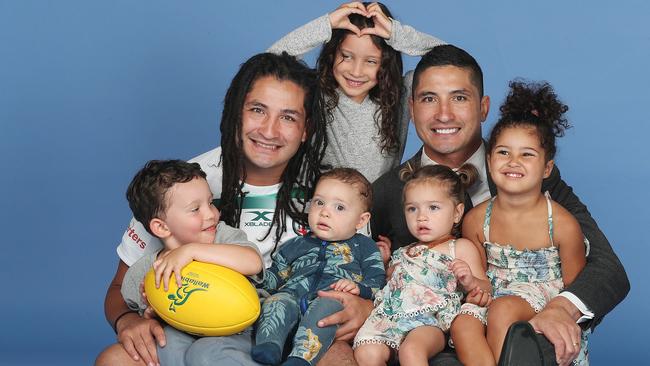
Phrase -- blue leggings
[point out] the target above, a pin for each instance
(281, 313)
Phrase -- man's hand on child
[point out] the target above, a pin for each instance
(139, 337)
(557, 322)
(346, 285)
(384, 245)
(172, 262)
(351, 318)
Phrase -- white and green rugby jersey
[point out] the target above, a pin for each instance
(256, 217)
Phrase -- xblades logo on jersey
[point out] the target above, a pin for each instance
(260, 218)
(260, 215)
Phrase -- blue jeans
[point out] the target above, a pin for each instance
(186, 349)
(281, 313)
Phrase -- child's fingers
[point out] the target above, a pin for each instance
(338, 285)
(488, 301)
(179, 279)
(385, 239)
(158, 275)
(149, 313)
(474, 292)
(167, 273)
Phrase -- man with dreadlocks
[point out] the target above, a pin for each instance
(272, 141)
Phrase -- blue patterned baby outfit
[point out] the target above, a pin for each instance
(303, 266)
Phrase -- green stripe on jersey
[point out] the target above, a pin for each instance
(264, 201)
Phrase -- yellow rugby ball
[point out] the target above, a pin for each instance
(212, 301)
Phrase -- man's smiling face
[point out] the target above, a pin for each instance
(273, 127)
(447, 111)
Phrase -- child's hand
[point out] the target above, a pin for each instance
(148, 313)
(463, 274)
(339, 17)
(383, 25)
(478, 297)
(384, 244)
(172, 262)
(344, 285)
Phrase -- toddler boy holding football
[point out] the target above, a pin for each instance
(173, 200)
(332, 256)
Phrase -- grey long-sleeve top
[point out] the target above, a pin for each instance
(353, 136)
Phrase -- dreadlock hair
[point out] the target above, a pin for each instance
(147, 192)
(388, 91)
(456, 182)
(534, 105)
(303, 168)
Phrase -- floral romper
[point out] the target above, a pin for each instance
(421, 292)
(533, 275)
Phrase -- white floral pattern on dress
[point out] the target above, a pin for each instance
(421, 291)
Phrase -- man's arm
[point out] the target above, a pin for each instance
(603, 283)
(137, 335)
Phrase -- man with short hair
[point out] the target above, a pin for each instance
(447, 108)
(272, 141)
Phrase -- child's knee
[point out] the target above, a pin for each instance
(371, 354)
(407, 356)
(465, 323)
(506, 310)
(411, 353)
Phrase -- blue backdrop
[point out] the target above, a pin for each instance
(90, 90)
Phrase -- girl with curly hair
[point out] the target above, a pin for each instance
(360, 78)
(531, 245)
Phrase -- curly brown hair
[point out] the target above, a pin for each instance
(388, 91)
(147, 192)
(535, 105)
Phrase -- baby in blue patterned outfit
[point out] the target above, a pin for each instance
(332, 256)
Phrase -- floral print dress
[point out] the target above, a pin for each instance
(533, 275)
(421, 292)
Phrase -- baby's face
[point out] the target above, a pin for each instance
(190, 215)
(336, 211)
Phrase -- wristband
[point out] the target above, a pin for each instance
(114, 325)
